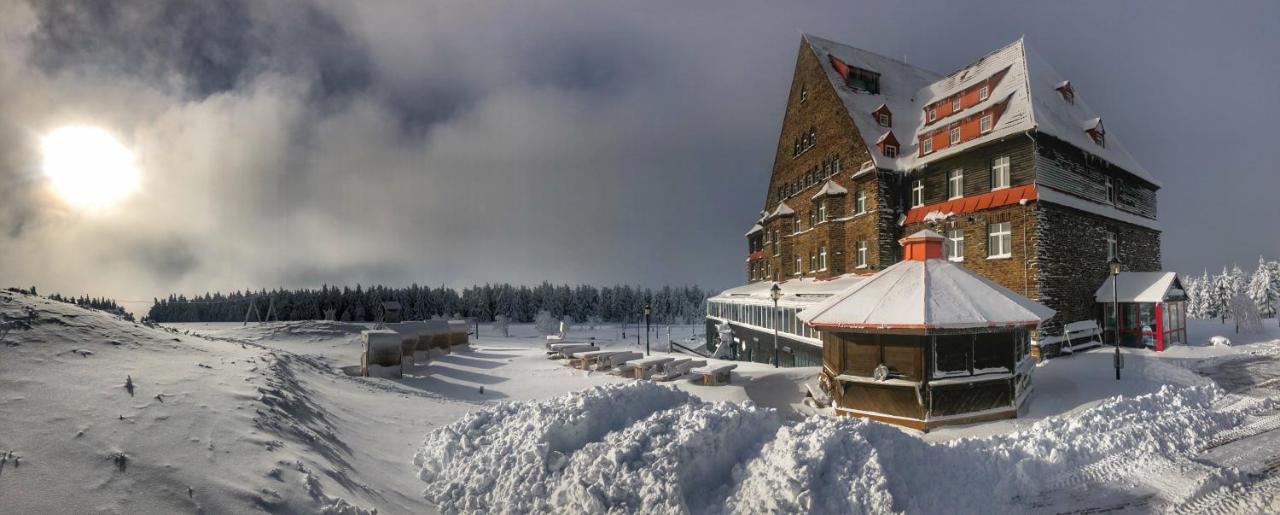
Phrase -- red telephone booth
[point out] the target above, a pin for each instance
(1152, 309)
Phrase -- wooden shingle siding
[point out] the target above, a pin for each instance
(976, 164)
(1067, 169)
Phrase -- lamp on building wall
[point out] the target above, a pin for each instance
(1114, 268)
(775, 293)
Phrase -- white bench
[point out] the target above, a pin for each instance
(677, 369)
(1078, 336)
(715, 375)
(644, 367)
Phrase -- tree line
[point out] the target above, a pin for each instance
(520, 304)
(1233, 294)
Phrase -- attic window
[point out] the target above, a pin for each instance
(1068, 93)
(883, 116)
(955, 104)
(1096, 131)
(984, 93)
(932, 113)
(890, 150)
(863, 80)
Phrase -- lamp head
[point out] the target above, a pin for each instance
(647, 310)
(1114, 266)
(775, 292)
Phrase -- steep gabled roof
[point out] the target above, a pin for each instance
(1028, 87)
(830, 188)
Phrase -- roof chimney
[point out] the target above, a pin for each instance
(922, 245)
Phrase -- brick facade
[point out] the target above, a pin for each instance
(1057, 254)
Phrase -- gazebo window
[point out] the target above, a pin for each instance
(994, 352)
(952, 354)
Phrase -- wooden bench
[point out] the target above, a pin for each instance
(584, 359)
(678, 368)
(563, 350)
(1078, 336)
(644, 367)
(715, 375)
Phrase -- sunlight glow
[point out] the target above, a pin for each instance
(88, 167)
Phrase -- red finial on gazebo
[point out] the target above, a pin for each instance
(922, 245)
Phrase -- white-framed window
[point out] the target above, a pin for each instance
(926, 144)
(795, 225)
(984, 123)
(955, 245)
(822, 210)
(1111, 189)
(955, 135)
(1113, 246)
(955, 183)
(799, 266)
(813, 261)
(917, 193)
(777, 247)
(1000, 240)
(955, 104)
(835, 165)
(860, 202)
(1000, 172)
(884, 119)
(932, 113)
(862, 253)
(983, 93)
(822, 258)
(890, 150)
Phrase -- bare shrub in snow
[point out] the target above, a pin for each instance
(545, 323)
(502, 325)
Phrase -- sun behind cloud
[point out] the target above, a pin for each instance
(88, 167)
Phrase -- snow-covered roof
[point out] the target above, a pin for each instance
(782, 210)
(830, 188)
(925, 294)
(1028, 91)
(801, 291)
(755, 229)
(1138, 287)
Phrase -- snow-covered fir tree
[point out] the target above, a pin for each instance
(1264, 288)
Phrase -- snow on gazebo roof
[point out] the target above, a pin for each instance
(1138, 287)
(830, 188)
(925, 292)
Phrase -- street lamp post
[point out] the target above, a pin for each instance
(1114, 266)
(775, 293)
(647, 310)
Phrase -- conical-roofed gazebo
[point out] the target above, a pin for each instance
(925, 342)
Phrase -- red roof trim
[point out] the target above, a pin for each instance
(998, 198)
(920, 326)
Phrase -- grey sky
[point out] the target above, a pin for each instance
(293, 143)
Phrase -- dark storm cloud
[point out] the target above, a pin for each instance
(214, 46)
(292, 143)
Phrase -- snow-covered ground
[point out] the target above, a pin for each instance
(232, 418)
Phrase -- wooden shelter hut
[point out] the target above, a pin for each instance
(1153, 309)
(926, 342)
(390, 311)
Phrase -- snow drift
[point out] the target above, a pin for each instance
(642, 447)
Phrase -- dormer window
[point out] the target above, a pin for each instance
(863, 80)
(955, 104)
(1096, 131)
(888, 144)
(1068, 93)
(883, 116)
(984, 93)
(926, 144)
(890, 151)
(932, 113)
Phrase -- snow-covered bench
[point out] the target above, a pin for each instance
(616, 360)
(678, 368)
(715, 375)
(586, 358)
(644, 367)
(563, 350)
(1078, 336)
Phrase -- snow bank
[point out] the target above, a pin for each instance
(644, 447)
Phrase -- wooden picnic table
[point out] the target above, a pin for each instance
(715, 375)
